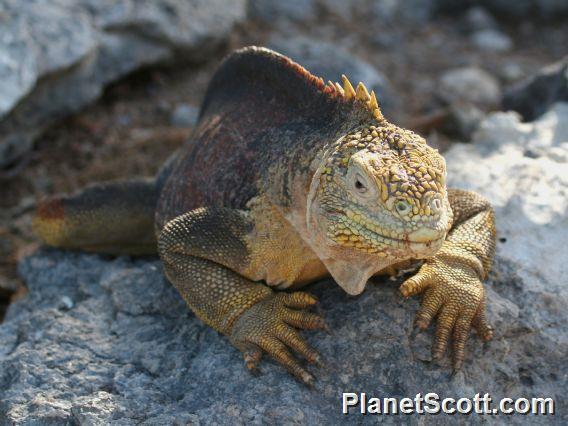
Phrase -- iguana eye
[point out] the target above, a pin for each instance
(402, 207)
(360, 185)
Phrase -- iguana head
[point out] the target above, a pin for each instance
(378, 197)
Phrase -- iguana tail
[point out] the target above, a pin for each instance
(113, 218)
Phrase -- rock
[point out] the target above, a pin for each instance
(184, 115)
(544, 9)
(387, 40)
(392, 13)
(491, 41)
(477, 18)
(329, 61)
(58, 55)
(395, 12)
(533, 96)
(511, 71)
(469, 84)
(521, 168)
(130, 352)
(272, 12)
(66, 303)
(345, 10)
(462, 121)
(512, 10)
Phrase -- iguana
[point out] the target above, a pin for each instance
(287, 180)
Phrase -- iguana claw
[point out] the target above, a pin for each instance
(271, 326)
(454, 294)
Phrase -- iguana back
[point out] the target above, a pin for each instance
(261, 111)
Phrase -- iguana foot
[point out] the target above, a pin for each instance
(455, 295)
(271, 326)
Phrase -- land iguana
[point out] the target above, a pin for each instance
(287, 180)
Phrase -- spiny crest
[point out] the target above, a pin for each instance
(360, 94)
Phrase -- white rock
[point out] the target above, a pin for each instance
(522, 168)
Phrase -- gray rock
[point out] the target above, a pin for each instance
(545, 9)
(272, 12)
(392, 13)
(387, 39)
(329, 61)
(57, 56)
(184, 115)
(345, 10)
(469, 84)
(7, 284)
(462, 121)
(508, 10)
(533, 96)
(477, 18)
(491, 40)
(396, 12)
(129, 351)
(511, 71)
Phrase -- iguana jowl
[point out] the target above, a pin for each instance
(287, 180)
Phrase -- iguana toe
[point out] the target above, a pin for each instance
(268, 327)
(252, 355)
(481, 325)
(455, 296)
(277, 350)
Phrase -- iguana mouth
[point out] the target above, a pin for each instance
(354, 230)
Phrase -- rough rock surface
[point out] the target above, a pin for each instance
(56, 56)
(100, 339)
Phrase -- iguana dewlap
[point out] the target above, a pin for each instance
(287, 180)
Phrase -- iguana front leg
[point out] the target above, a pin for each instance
(204, 254)
(451, 280)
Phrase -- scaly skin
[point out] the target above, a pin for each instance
(451, 280)
(285, 181)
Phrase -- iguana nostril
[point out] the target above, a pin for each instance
(436, 204)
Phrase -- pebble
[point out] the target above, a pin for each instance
(492, 41)
(462, 121)
(184, 115)
(477, 18)
(66, 303)
(469, 84)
